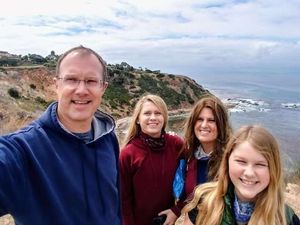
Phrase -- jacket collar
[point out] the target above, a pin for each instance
(102, 122)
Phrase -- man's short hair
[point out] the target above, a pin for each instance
(82, 49)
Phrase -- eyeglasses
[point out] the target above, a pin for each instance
(89, 83)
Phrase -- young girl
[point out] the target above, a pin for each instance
(148, 162)
(249, 189)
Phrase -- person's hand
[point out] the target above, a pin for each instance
(171, 217)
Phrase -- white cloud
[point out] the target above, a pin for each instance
(179, 36)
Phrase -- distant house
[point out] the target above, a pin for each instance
(7, 59)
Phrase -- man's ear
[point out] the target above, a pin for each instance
(105, 85)
(55, 80)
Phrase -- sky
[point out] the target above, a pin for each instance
(187, 37)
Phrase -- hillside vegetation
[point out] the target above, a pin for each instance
(27, 88)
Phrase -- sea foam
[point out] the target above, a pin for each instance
(246, 105)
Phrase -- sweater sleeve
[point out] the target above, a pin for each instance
(11, 175)
(189, 186)
(176, 209)
(127, 194)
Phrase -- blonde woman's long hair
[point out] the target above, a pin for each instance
(269, 206)
(134, 127)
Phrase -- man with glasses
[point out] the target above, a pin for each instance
(63, 168)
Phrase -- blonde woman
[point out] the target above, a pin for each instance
(249, 189)
(148, 162)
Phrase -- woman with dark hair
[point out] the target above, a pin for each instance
(206, 133)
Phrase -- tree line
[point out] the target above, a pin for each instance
(7, 59)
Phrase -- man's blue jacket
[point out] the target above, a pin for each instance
(49, 176)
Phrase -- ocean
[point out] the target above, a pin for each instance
(269, 100)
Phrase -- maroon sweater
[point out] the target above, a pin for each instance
(146, 179)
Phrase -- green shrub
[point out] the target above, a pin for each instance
(50, 64)
(40, 100)
(160, 75)
(116, 94)
(160, 88)
(13, 93)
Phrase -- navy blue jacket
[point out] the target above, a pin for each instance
(49, 176)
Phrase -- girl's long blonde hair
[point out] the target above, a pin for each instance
(269, 206)
(134, 127)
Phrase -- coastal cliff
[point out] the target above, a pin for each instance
(25, 91)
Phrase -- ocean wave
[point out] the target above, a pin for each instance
(246, 105)
(291, 105)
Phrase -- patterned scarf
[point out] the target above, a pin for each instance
(155, 144)
(242, 210)
(200, 154)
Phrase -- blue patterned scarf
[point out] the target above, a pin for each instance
(242, 210)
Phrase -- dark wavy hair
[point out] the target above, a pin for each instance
(191, 142)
